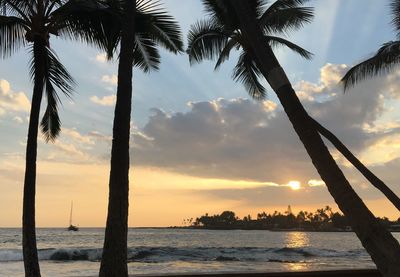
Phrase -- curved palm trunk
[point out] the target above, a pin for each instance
(368, 174)
(380, 244)
(30, 254)
(114, 259)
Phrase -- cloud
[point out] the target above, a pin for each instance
(99, 136)
(69, 148)
(75, 147)
(104, 101)
(11, 101)
(110, 79)
(78, 137)
(101, 58)
(331, 74)
(18, 119)
(228, 139)
(240, 139)
(316, 183)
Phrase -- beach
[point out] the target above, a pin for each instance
(332, 273)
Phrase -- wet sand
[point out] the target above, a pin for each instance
(338, 273)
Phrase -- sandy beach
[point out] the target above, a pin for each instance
(338, 273)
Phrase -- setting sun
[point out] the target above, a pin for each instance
(294, 185)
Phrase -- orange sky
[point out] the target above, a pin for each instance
(157, 198)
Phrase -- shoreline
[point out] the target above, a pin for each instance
(208, 229)
(330, 273)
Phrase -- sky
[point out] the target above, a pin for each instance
(199, 143)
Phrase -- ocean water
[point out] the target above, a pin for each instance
(160, 251)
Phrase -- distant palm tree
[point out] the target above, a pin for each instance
(139, 33)
(384, 61)
(247, 25)
(32, 23)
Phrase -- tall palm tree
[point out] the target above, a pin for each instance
(279, 20)
(246, 25)
(143, 26)
(385, 59)
(31, 23)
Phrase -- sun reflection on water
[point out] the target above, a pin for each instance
(297, 240)
(297, 266)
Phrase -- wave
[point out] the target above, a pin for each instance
(169, 254)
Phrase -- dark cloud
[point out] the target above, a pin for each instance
(240, 139)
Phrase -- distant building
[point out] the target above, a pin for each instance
(289, 210)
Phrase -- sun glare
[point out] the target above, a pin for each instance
(294, 185)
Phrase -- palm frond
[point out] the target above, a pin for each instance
(285, 4)
(146, 54)
(50, 123)
(145, 6)
(277, 42)
(257, 6)
(89, 21)
(247, 72)
(218, 11)
(285, 19)
(395, 10)
(56, 77)
(58, 74)
(162, 28)
(206, 40)
(12, 35)
(17, 8)
(384, 61)
(224, 55)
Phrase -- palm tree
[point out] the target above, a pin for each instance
(246, 25)
(32, 23)
(139, 33)
(279, 21)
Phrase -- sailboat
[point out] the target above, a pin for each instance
(72, 227)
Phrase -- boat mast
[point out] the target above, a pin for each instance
(70, 214)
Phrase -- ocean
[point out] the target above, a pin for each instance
(160, 251)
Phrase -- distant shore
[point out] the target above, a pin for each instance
(257, 229)
(330, 273)
(262, 229)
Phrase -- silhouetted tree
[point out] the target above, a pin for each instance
(246, 25)
(32, 23)
(323, 219)
(139, 28)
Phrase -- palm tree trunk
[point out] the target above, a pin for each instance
(114, 259)
(368, 174)
(30, 254)
(379, 243)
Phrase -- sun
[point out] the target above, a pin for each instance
(294, 185)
